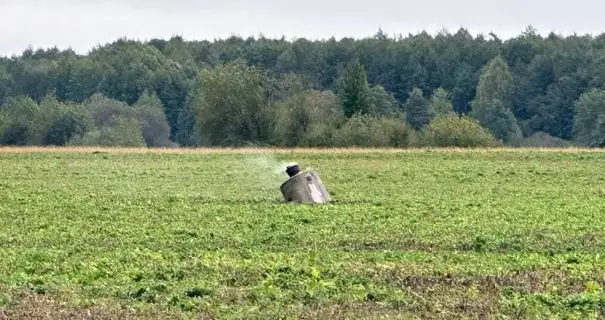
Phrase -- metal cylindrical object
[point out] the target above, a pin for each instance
(304, 187)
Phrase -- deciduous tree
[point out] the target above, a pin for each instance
(416, 110)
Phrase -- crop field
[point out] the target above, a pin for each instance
(204, 234)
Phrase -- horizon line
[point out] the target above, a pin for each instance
(293, 38)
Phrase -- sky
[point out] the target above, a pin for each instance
(83, 24)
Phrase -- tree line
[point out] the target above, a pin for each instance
(450, 89)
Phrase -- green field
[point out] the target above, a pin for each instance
(418, 234)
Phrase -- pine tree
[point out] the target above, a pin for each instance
(353, 90)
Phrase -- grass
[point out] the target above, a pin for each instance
(273, 150)
(427, 234)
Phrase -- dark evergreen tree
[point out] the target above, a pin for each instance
(353, 90)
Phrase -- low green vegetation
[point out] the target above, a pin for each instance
(429, 234)
(528, 90)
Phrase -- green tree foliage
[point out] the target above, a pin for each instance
(382, 103)
(176, 49)
(309, 119)
(554, 110)
(114, 123)
(526, 84)
(20, 124)
(33, 75)
(154, 125)
(372, 131)
(495, 82)
(499, 120)
(130, 67)
(589, 119)
(125, 133)
(173, 88)
(61, 121)
(531, 82)
(452, 130)
(105, 112)
(187, 134)
(231, 105)
(492, 106)
(464, 88)
(416, 109)
(78, 78)
(50, 122)
(150, 99)
(439, 104)
(353, 89)
(5, 83)
(288, 85)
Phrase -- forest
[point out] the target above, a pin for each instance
(447, 89)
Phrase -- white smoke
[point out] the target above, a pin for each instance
(266, 169)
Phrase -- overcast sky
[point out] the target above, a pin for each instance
(82, 24)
